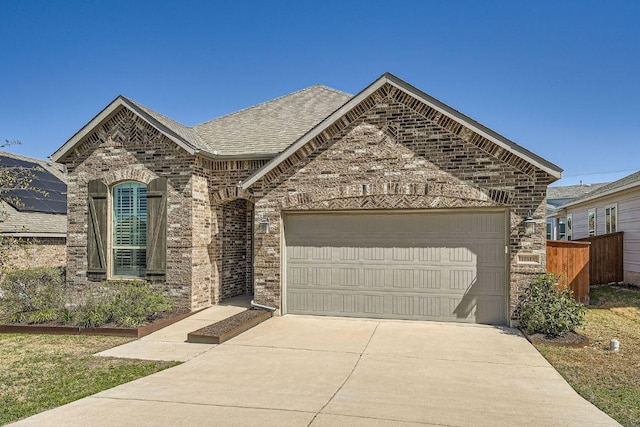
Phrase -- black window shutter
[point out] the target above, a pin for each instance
(157, 229)
(97, 231)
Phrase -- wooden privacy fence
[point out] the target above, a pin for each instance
(570, 262)
(605, 258)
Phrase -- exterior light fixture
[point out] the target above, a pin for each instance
(264, 225)
(529, 225)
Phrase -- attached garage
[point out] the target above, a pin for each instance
(446, 265)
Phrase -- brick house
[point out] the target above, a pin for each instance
(384, 204)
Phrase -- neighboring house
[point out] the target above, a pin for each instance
(558, 196)
(33, 221)
(608, 209)
(385, 204)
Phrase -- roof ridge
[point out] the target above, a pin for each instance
(627, 179)
(152, 110)
(267, 102)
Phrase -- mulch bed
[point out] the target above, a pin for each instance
(160, 321)
(221, 331)
(570, 339)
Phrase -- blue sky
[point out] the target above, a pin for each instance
(561, 78)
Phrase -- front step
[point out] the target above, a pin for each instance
(221, 331)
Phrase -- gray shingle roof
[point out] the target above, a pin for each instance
(32, 224)
(266, 128)
(272, 126)
(572, 191)
(612, 187)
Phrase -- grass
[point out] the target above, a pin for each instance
(609, 380)
(40, 372)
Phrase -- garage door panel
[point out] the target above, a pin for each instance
(412, 307)
(376, 266)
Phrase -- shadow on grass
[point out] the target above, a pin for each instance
(614, 296)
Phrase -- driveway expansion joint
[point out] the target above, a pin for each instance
(179, 402)
(355, 365)
(291, 348)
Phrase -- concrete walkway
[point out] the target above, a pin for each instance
(310, 371)
(170, 343)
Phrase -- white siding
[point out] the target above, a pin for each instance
(580, 222)
(628, 221)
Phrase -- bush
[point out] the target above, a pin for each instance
(128, 304)
(136, 302)
(34, 295)
(38, 296)
(550, 309)
(93, 315)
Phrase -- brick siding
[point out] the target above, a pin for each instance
(23, 253)
(391, 156)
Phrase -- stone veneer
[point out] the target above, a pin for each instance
(393, 152)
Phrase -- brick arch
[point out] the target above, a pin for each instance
(391, 202)
(229, 194)
(129, 174)
(391, 194)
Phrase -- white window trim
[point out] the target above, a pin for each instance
(562, 236)
(569, 229)
(607, 212)
(595, 222)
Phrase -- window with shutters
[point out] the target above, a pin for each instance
(129, 230)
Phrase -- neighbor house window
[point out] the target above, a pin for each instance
(549, 227)
(592, 222)
(569, 227)
(562, 230)
(129, 243)
(611, 219)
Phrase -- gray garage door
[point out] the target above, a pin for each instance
(447, 266)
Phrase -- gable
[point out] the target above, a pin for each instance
(369, 168)
(163, 124)
(389, 88)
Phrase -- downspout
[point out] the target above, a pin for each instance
(263, 307)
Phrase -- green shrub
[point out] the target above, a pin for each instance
(550, 309)
(93, 313)
(38, 296)
(66, 316)
(45, 315)
(136, 302)
(32, 294)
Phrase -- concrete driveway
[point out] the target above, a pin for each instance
(311, 371)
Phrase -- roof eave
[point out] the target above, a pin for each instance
(30, 234)
(608, 193)
(103, 115)
(247, 156)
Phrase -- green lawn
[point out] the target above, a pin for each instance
(609, 380)
(39, 372)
